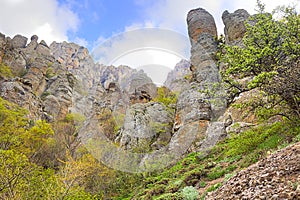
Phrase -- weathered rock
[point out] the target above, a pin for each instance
(2, 43)
(234, 25)
(19, 41)
(43, 49)
(200, 22)
(214, 133)
(33, 43)
(179, 77)
(192, 106)
(201, 101)
(146, 127)
(239, 127)
(20, 92)
(77, 60)
(58, 96)
(203, 32)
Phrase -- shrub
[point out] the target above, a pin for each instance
(189, 193)
(165, 96)
(5, 71)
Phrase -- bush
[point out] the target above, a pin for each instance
(189, 193)
(165, 96)
(5, 71)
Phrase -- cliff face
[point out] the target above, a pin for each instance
(51, 81)
(35, 82)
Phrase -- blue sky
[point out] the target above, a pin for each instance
(102, 18)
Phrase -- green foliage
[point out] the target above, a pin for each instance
(189, 193)
(165, 96)
(49, 72)
(214, 187)
(269, 59)
(264, 137)
(227, 177)
(5, 71)
(219, 171)
(170, 196)
(24, 146)
(76, 118)
(12, 125)
(235, 153)
(119, 120)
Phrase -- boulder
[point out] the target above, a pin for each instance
(33, 43)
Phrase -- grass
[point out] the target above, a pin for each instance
(210, 171)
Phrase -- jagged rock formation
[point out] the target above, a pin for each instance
(179, 77)
(33, 66)
(63, 78)
(275, 177)
(203, 32)
(235, 26)
(195, 105)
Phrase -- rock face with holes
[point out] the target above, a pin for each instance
(54, 80)
(33, 66)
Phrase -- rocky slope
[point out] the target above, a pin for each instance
(274, 177)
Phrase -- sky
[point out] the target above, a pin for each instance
(118, 31)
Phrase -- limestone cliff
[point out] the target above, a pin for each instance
(51, 81)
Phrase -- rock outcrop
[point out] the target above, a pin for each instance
(199, 104)
(235, 29)
(54, 80)
(146, 127)
(203, 33)
(32, 65)
(235, 26)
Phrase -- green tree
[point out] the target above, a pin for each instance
(12, 125)
(268, 60)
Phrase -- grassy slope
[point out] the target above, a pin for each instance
(207, 172)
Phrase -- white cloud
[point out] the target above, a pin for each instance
(81, 41)
(140, 40)
(172, 13)
(144, 48)
(47, 19)
(133, 47)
